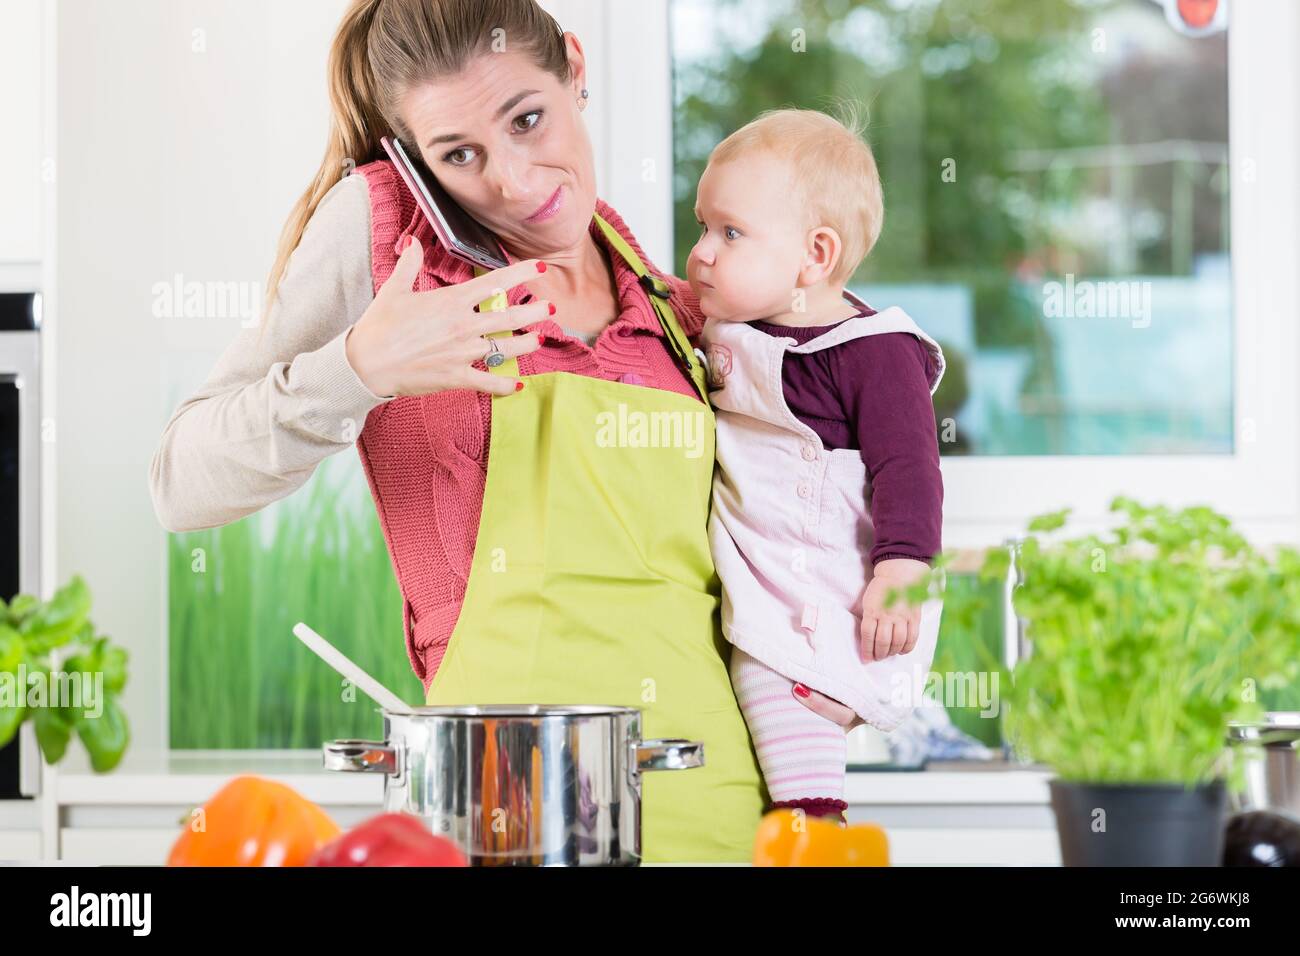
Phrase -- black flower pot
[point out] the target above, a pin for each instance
(1139, 824)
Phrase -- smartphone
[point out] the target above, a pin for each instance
(460, 233)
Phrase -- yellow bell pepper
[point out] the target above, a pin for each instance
(788, 837)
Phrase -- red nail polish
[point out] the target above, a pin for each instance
(519, 386)
(550, 308)
(801, 690)
(406, 241)
(541, 339)
(541, 267)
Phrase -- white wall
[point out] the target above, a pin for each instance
(20, 107)
(170, 160)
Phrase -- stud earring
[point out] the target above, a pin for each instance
(582, 101)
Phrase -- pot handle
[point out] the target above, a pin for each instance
(668, 753)
(360, 756)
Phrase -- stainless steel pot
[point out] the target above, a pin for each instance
(529, 785)
(1271, 751)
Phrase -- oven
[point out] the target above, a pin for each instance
(20, 437)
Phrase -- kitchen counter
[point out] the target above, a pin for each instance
(951, 813)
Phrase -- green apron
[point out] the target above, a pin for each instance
(592, 583)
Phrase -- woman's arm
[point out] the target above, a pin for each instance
(278, 403)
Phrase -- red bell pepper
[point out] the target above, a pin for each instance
(390, 839)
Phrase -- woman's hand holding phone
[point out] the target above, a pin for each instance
(414, 343)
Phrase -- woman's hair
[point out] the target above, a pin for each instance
(833, 173)
(382, 49)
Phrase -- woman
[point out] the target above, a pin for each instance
(537, 563)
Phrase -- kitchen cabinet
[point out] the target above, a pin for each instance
(960, 814)
(133, 819)
(949, 815)
(20, 830)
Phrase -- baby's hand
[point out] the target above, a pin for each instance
(885, 631)
(891, 630)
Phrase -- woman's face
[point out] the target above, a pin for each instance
(504, 138)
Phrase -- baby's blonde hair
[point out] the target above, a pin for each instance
(833, 173)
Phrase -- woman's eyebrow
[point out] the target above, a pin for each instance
(502, 110)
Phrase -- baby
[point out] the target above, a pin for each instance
(828, 490)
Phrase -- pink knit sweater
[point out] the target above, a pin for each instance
(425, 457)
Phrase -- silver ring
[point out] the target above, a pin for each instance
(494, 356)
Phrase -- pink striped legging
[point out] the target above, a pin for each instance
(801, 753)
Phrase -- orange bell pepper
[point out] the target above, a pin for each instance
(254, 822)
(787, 837)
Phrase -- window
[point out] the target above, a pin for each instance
(1057, 194)
(1103, 181)
(1091, 204)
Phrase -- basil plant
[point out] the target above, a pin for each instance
(56, 672)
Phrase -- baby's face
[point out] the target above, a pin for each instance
(746, 262)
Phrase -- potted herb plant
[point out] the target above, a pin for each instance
(1144, 642)
(56, 672)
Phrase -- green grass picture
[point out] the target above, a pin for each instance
(238, 676)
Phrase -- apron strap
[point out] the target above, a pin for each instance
(678, 344)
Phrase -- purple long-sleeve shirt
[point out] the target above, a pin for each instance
(873, 394)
